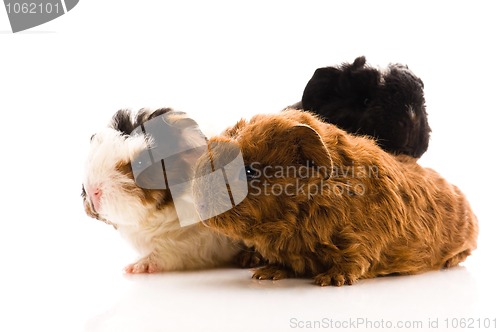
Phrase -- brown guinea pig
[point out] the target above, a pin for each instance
(323, 203)
(146, 217)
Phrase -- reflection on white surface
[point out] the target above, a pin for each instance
(229, 299)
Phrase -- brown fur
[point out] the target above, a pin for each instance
(406, 220)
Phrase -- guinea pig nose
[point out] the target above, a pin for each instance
(95, 195)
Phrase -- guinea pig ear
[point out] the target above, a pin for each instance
(312, 151)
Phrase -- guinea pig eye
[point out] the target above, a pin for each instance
(248, 173)
(92, 137)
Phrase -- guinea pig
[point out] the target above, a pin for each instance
(329, 205)
(147, 217)
(388, 105)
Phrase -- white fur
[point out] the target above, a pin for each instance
(155, 233)
(167, 246)
(107, 149)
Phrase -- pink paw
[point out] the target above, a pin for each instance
(144, 265)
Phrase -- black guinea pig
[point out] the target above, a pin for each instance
(388, 105)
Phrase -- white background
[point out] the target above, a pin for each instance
(219, 61)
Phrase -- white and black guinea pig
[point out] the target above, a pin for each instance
(147, 218)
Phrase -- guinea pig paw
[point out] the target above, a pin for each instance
(144, 265)
(249, 258)
(333, 279)
(271, 272)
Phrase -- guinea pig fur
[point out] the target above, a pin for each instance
(388, 105)
(325, 204)
(146, 218)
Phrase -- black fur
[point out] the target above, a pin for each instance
(388, 106)
(124, 122)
